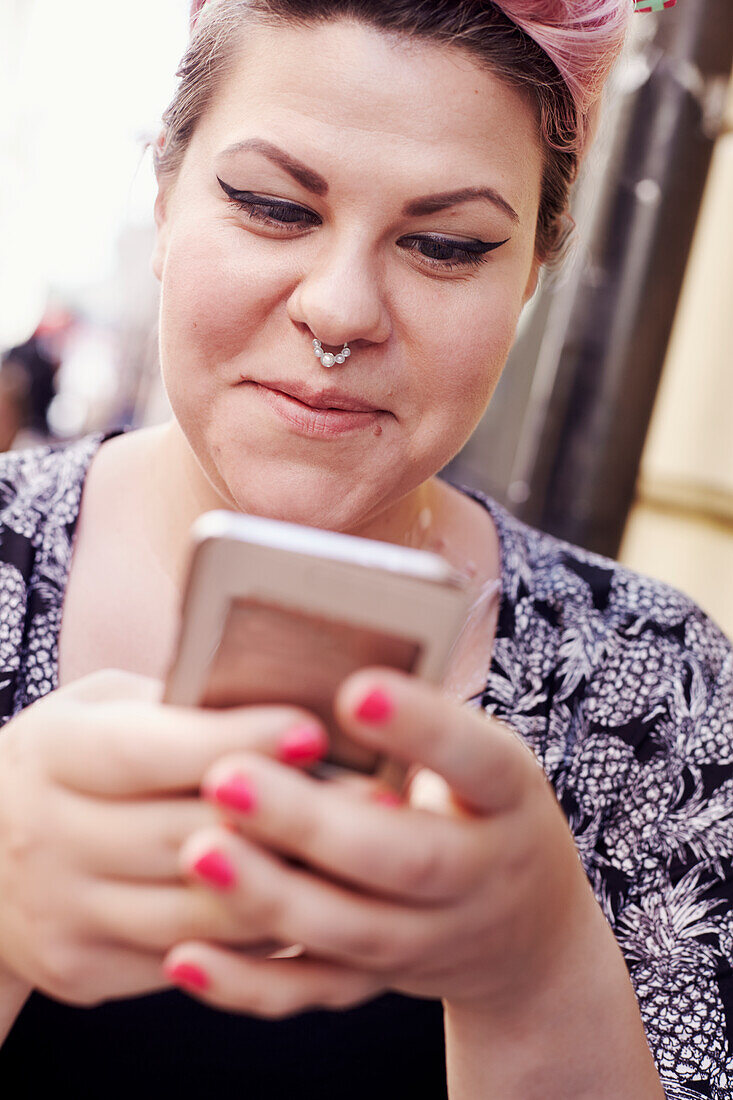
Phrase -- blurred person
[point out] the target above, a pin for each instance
(33, 359)
(384, 179)
(14, 403)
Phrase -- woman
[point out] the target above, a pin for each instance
(387, 178)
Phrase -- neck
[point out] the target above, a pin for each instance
(419, 519)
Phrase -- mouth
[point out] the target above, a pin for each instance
(325, 399)
(318, 421)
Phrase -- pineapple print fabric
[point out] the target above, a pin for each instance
(621, 686)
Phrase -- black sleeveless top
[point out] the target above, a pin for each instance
(622, 688)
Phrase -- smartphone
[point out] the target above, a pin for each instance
(276, 612)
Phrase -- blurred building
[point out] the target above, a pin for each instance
(680, 527)
(637, 331)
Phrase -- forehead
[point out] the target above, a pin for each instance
(376, 106)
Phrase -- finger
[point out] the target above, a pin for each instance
(155, 917)
(113, 683)
(405, 854)
(484, 762)
(271, 988)
(289, 904)
(141, 839)
(138, 840)
(129, 748)
(102, 973)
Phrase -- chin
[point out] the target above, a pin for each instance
(308, 496)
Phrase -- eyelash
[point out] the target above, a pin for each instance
(471, 257)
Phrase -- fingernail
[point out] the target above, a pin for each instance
(304, 743)
(187, 975)
(235, 792)
(388, 798)
(216, 869)
(375, 707)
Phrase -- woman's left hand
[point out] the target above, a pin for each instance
(479, 903)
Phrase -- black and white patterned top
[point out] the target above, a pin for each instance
(622, 687)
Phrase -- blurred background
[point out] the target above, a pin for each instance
(612, 425)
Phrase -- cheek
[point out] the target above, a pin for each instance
(212, 300)
(470, 347)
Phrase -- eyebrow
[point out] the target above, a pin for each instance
(315, 183)
(309, 179)
(429, 204)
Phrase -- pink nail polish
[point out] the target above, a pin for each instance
(302, 744)
(187, 975)
(216, 869)
(376, 707)
(237, 793)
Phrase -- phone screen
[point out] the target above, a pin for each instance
(271, 653)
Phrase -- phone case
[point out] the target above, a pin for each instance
(275, 612)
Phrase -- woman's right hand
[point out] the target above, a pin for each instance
(99, 789)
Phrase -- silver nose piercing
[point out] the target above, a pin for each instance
(327, 359)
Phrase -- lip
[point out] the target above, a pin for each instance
(314, 422)
(320, 399)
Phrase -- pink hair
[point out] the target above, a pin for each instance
(196, 6)
(560, 51)
(581, 37)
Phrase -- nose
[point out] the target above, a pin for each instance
(340, 299)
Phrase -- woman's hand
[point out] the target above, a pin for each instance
(98, 791)
(474, 904)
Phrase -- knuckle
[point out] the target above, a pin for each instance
(113, 683)
(109, 678)
(263, 913)
(335, 995)
(197, 916)
(63, 971)
(127, 759)
(371, 948)
(30, 829)
(308, 829)
(273, 1002)
(84, 992)
(421, 872)
(21, 841)
(404, 953)
(20, 756)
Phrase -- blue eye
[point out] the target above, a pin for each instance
(441, 253)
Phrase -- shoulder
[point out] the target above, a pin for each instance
(614, 678)
(609, 609)
(569, 577)
(42, 485)
(40, 498)
(623, 687)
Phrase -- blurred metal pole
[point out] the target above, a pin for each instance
(580, 469)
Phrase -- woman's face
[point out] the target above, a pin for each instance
(343, 139)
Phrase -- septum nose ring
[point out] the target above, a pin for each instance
(327, 359)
